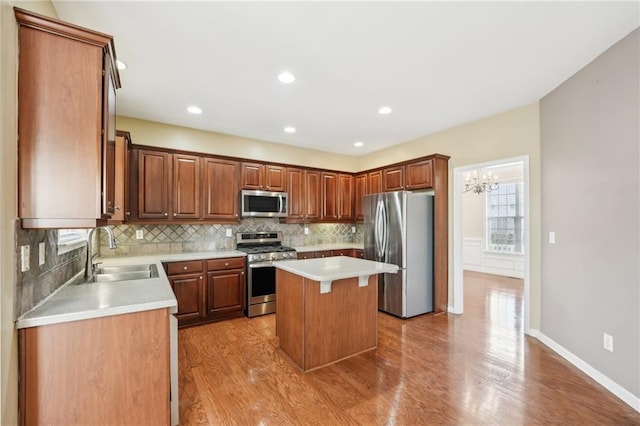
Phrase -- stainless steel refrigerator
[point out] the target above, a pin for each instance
(399, 230)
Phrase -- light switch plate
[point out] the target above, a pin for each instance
(229, 234)
(139, 234)
(552, 237)
(41, 253)
(306, 230)
(24, 258)
(353, 229)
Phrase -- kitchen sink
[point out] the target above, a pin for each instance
(124, 273)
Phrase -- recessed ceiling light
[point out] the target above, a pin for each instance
(358, 144)
(290, 129)
(121, 65)
(194, 110)
(286, 77)
(384, 110)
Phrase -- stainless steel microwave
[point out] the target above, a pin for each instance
(264, 204)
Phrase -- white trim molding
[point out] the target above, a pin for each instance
(626, 396)
(476, 258)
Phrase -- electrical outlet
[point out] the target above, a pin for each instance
(552, 237)
(607, 342)
(306, 230)
(139, 234)
(41, 253)
(353, 229)
(229, 234)
(24, 258)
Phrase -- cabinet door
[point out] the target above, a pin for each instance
(154, 171)
(186, 187)
(189, 291)
(344, 252)
(109, 142)
(323, 253)
(393, 179)
(345, 197)
(374, 182)
(275, 178)
(121, 182)
(221, 189)
(361, 191)
(419, 175)
(358, 253)
(297, 195)
(225, 291)
(307, 255)
(252, 176)
(329, 197)
(313, 189)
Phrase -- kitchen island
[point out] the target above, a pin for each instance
(327, 308)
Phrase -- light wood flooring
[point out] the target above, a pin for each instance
(474, 369)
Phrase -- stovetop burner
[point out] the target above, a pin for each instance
(263, 246)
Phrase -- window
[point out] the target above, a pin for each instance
(505, 217)
(71, 239)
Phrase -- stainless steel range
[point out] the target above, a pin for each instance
(262, 248)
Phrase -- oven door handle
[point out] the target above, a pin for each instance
(260, 265)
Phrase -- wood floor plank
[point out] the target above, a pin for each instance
(477, 368)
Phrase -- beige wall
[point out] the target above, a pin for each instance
(510, 134)
(8, 207)
(152, 133)
(473, 215)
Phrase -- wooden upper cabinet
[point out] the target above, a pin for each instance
(329, 181)
(419, 175)
(360, 192)
(313, 188)
(186, 187)
(264, 177)
(123, 140)
(393, 179)
(346, 196)
(221, 189)
(297, 195)
(66, 124)
(374, 182)
(154, 180)
(275, 178)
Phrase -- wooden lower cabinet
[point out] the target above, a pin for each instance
(329, 253)
(208, 290)
(109, 370)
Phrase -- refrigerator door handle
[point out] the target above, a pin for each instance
(378, 230)
(385, 230)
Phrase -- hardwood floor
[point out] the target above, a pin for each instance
(474, 369)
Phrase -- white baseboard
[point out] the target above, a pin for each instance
(452, 310)
(533, 333)
(626, 396)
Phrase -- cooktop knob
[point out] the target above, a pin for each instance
(263, 257)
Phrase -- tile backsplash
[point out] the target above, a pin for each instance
(195, 238)
(40, 281)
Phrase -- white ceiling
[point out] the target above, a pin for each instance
(437, 64)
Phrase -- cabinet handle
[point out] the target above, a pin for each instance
(128, 213)
(201, 277)
(175, 214)
(117, 207)
(241, 273)
(166, 214)
(226, 263)
(185, 268)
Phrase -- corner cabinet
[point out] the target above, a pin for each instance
(67, 83)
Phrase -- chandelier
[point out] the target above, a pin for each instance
(479, 182)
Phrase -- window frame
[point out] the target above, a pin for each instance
(72, 239)
(520, 214)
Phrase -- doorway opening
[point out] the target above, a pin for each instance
(491, 227)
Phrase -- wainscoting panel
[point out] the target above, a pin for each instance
(477, 259)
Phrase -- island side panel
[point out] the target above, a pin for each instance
(341, 323)
(290, 315)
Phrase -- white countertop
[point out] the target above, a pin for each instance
(74, 302)
(329, 269)
(333, 246)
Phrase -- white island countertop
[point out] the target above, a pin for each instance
(74, 302)
(328, 269)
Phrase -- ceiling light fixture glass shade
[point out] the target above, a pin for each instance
(194, 109)
(290, 129)
(121, 65)
(479, 182)
(358, 144)
(286, 77)
(384, 110)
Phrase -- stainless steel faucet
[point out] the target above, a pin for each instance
(88, 271)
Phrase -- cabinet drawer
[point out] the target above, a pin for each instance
(324, 253)
(307, 255)
(177, 268)
(344, 252)
(225, 263)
